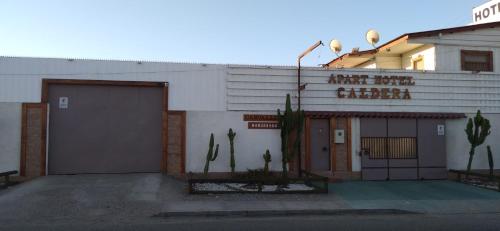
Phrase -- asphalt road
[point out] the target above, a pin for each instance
(455, 222)
(143, 201)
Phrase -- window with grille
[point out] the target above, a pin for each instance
(477, 60)
(390, 147)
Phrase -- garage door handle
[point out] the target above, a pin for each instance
(324, 149)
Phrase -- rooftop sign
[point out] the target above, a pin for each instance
(487, 12)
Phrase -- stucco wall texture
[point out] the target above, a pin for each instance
(10, 136)
(250, 144)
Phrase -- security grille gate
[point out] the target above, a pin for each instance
(390, 148)
(395, 149)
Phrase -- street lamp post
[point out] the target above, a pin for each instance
(299, 89)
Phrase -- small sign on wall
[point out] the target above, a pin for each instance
(339, 136)
(263, 125)
(440, 129)
(63, 102)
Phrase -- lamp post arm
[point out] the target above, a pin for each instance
(306, 52)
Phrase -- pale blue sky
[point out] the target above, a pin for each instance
(216, 31)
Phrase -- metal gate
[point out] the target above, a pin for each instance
(402, 149)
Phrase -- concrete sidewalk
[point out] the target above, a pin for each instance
(125, 198)
(431, 197)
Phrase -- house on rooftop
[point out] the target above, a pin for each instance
(467, 48)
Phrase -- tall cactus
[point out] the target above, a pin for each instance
(231, 136)
(289, 122)
(490, 161)
(267, 159)
(284, 141)
(477, 130)
(299, 122)
(211, 156)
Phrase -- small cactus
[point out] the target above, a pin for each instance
(211, 156)
(267, 159)
(231, 136)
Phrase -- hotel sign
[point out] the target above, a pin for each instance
(487, 12)
(393, 87)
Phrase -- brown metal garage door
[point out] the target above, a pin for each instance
(104, 129)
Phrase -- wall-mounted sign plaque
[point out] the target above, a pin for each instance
(263, 125)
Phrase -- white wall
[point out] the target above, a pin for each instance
(448, 47)
(449, 57)
(207, 91)
(457, 146)
(427, 52)
(192, 86)
(10, 136)
(355, 144)
(264, 89)
(250, 144)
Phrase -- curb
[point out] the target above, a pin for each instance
(275, 213)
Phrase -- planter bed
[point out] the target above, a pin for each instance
(309, 183)
(478, 179)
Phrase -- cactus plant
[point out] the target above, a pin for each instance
(211, 155)
(490, 161)
(231, 136)
(477, 130)
(267, 159)
(289, 122)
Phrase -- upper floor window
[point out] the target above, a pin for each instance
(418, 64)
(477, 60)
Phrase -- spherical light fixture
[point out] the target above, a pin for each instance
(336, 46)
(372, 37)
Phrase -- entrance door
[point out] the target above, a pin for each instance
(432, 149)
(320, 145)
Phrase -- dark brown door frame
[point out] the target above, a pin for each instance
(182, 114)
(333, 154)
(164, 85)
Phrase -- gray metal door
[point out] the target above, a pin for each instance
(104, 129)
(320, 145)
(402, 143)
(432, 149)
(374, 164)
